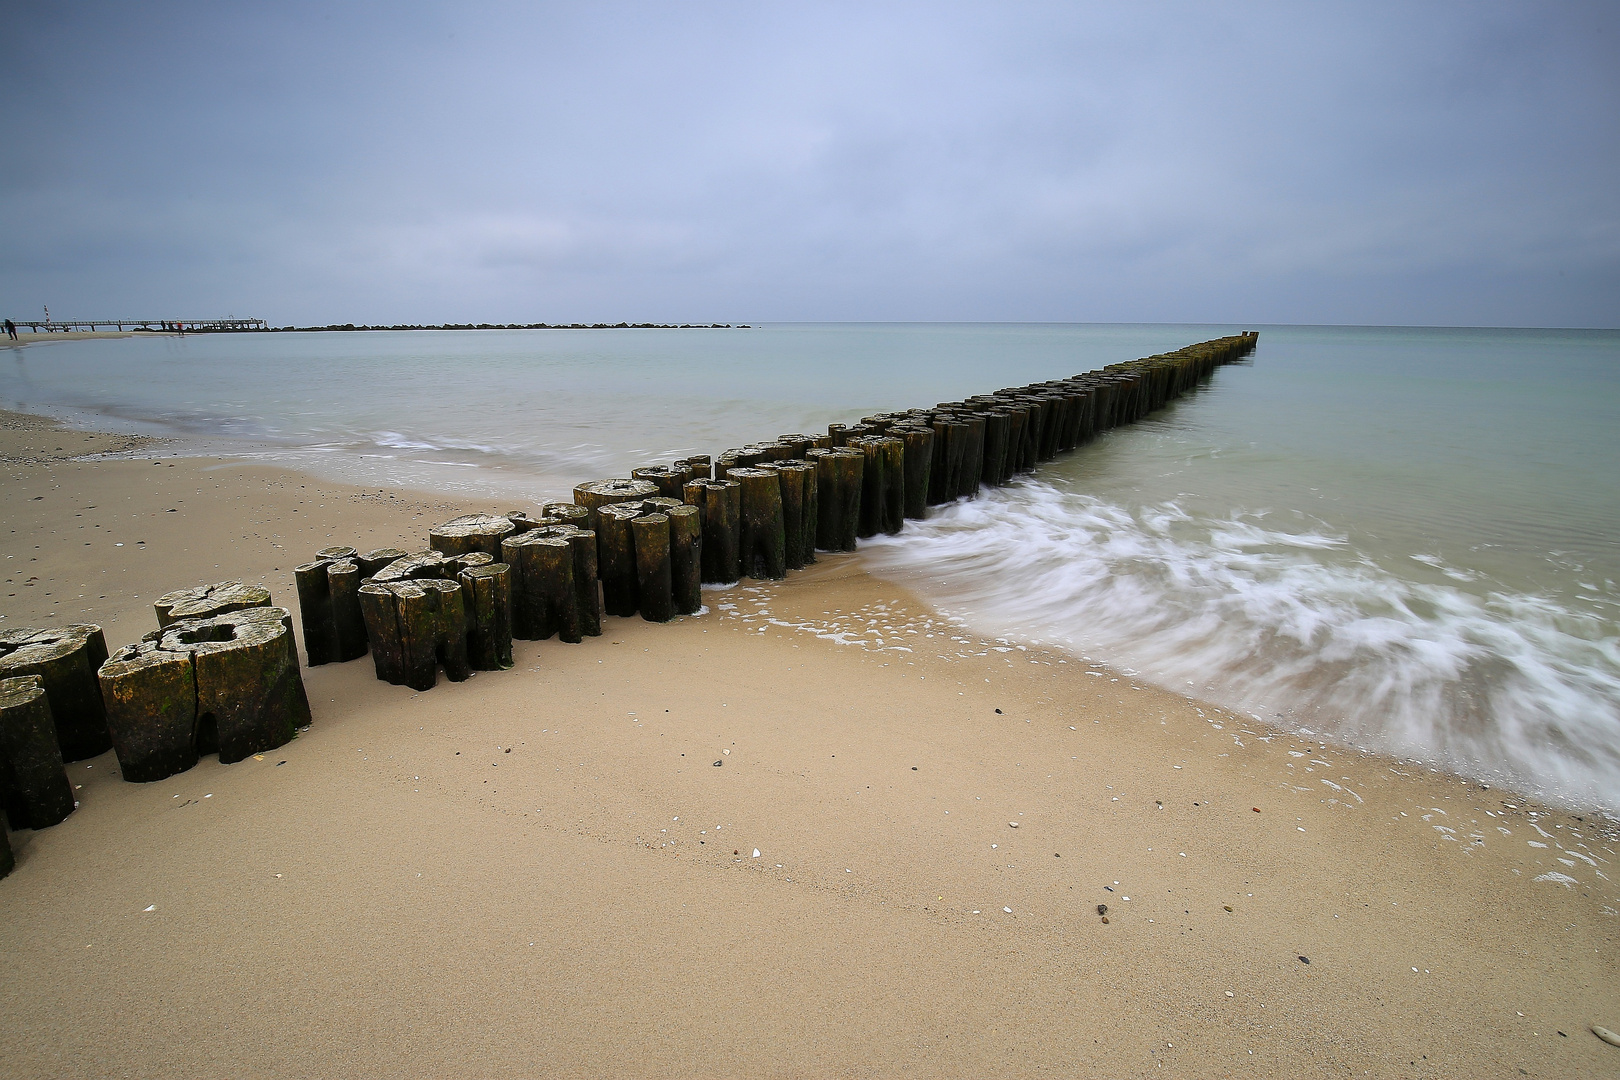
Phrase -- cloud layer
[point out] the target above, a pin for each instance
(307, 163)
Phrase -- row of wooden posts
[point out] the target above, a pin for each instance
(220, 673)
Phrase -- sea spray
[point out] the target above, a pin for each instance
(1279, 616)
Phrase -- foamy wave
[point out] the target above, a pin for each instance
(1290, 623)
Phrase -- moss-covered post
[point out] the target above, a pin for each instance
(669, 479)
(918, 442)
(616, 557)
(487, 592)
(382, 629)
(763, 539)
(556, 591)
(314, 611)
(719, 504)
(349, 626)
(471, 532)
(151, 697)
(35, 785)
(599, 493)
(686, 558)
(372, 562)
(247, 678)
(206, 601)
(798, 480)
(66, 658)
(655, 587)
(839, 473)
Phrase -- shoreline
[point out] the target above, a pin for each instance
(538, 864)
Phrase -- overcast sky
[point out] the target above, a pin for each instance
(1318, 163)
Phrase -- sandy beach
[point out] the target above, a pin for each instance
(819, 830)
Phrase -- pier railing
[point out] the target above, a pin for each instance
(52, 326)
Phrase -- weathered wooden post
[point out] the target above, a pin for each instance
(382, 629)
(599, 493)
(838, 498)
(655, 587)
(699, 465)
(798, 480)
(918, 442)
(487, 593)
(151, 697)
(66, 658)
(374, 561)
(206, 601)
(945, 472)
(417, 625)
(686, 558)
(719, 504)
(997, 425)
(314, 611)
(669, 479)
(32, 779)
(616, 557)
(247, 678)
(471, 532)
(348, 625)
(230, 682)
(763, 540)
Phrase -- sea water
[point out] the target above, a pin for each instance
(1401, 539)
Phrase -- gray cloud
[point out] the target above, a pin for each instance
(1292, 163)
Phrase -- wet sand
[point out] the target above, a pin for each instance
(544, 871)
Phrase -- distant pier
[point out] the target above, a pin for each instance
(51, 326)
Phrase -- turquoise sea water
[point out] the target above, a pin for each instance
(1404, 539)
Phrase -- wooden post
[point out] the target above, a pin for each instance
(206, 601)
(839, 474)
(655, 592)
(996, 426)
(763, 539)
(616, 557)
(486, 592)
(348, 625)
(798, 479)
(373, 561)
(945, 472)
(151, 697)
(382, 629)
(314, 612)
(542, 590)
(599, 493)
(66, 658)
(32, 779)
(719, 504)
(669, 479)
(883, 497)
(700, 466)
(471, 532)
(918, 442)
(686, 558)
(248, 684)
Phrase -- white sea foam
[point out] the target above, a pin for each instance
(1292, 623)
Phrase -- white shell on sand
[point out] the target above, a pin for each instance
(1606, 1035)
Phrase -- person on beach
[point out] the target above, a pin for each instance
(11, 330)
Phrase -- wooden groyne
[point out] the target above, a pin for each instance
(219, 673)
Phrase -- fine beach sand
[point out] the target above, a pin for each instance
(543, 872)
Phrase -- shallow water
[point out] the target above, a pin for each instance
(1402, 538)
